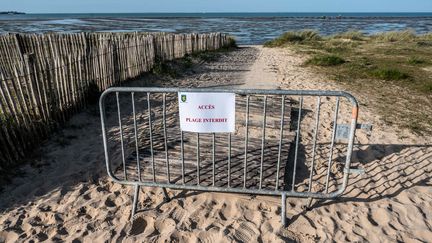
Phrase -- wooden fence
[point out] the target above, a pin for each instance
(45, 79)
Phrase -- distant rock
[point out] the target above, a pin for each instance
(11, 12)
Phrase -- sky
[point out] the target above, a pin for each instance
(145, 6)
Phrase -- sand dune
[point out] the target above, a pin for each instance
(66, 195)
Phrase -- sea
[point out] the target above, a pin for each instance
(248, 28)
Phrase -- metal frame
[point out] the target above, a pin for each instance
(278, 191)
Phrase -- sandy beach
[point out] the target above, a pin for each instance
(64, 194)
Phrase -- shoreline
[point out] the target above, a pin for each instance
(248, 30)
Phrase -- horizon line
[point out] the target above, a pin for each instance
(205, 12)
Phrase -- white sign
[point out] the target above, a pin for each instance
(207, 112)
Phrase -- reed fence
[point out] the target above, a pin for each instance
(45, 79)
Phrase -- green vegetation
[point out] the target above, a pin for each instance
(416, 60)
(392, 70)
(396, 36)
(293, 37)
(5, 118)
(350, 35)
(164, 68)
(206, 56)
(325, 60)
(232, 43)
(187, 61)
(389, 74)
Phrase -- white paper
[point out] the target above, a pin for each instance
(207, 112)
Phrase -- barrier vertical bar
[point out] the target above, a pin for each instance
(263, 141)
(283, 211)
(182, 157)
(332, 144)
(246, 140)
(198, 159)
(165, 137)
(151, 136)
(121, 135)
(213, 157)
(135, 201)
(280, 142)
(297, 143)
(136, 136)
(229, 159)
(354, 118)
(314, 142)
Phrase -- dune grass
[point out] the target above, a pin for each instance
(232, 43)
(389, 74)
(393, 69)
(325, 60)
(293, 37)
(350, 35)
(395, 36)
(416, 60)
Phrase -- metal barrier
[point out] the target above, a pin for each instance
(267, 155)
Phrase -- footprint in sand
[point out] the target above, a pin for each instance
(48, 218)
(179, 214)
(266, 228)
(288, 236)
(109, 203)
(10, 236)
(165, 226)
(246, 232)
(41, 236)
(138, 226)
(209, 236)
(178, 236)
(380, 216)
(253, 216)
(227, 212)
(62, 230)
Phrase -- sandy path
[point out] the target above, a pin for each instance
(70, 197)
(263, 73)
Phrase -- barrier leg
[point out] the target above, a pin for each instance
(283, 211)
(135, 201)
(309, 203)
(166, 196)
